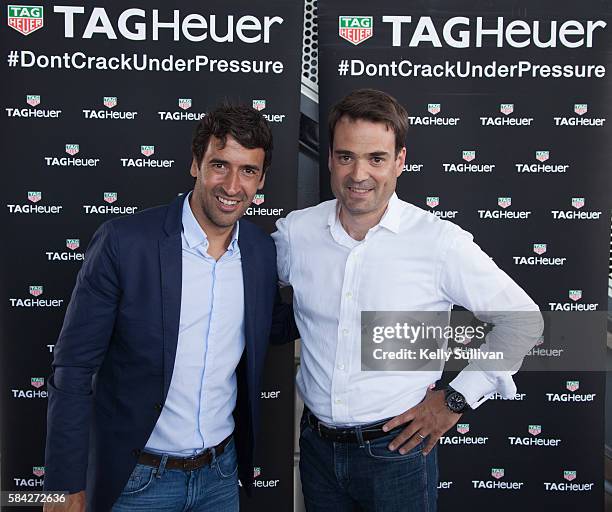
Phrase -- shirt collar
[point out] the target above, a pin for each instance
(195, 235)
(390, 219)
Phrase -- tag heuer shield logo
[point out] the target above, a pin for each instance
(147, 150)
(432, 201)
(72, 149)
(37, 382)
(504, 202)
(25, 19)
(575, 295)
(34, 196)
(534, 430)
(259, 104)
(256, 472)
(259, 199)
(497, 472)
(569, 475)
(184, 103)
(468, 156)
(110, 197)
(506, 108)
(355, 29)
(577, 202)
(539, 248)
(110, 101)
(463, 428)
(572, 385)
(36, 290)
(581, 108)
(542, 156)
(33, 100)
(434, 108)
(38, 471)
(73, 243)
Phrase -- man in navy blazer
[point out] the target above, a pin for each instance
(153, 399)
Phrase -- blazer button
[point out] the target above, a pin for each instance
(135, 452)
(158, 407)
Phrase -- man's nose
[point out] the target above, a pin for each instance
(232, 183)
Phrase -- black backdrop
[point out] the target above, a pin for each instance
(446, 114)
(52, 206)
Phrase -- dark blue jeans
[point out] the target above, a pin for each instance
(213, 487)
(366, 477)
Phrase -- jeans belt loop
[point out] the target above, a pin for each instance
(162, 466)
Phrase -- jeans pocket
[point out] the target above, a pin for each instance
(379, 449)
(226, 464)
(140, 479)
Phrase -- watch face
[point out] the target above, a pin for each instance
(455, 402)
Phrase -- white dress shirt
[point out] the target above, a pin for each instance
(198, 411)
(410, 261)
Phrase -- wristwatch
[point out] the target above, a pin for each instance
(455, 401)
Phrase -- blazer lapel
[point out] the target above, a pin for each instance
(171, 268)
(248, 258)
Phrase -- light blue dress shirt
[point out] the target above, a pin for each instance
(197, 413)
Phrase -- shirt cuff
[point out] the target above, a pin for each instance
(477, 387)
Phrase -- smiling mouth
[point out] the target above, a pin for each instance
(227, 202)
(362, 191)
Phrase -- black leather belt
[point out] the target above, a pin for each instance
(185, 463)
(369, 432)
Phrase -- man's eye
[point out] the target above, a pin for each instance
(377, 160)
(218, 165)
(345, 158)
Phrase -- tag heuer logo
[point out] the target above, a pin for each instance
(463, 428)
(37, 382)
(33, 99)
(432, 201)
(506, 108)
(73, 243)
(38, 471)
(72, 149)
(497, 472)
(542, 156)
(534, 430)
(259, 199)
(355, 29)
(581, 108)
(25, 19)
(256, 472)
(504, 202)
(110, 101)
(433, 108)
(110, 197)
(539, 248)
(36, 290)
(575, 295)
(577, 202)
(259, 104)
(569, 475)
(147, 150)
(184, 103)
(572, 385)
(468, 156)
(34, 196)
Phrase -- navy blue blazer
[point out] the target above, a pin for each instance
(115, 354)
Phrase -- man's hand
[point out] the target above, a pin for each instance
(429, 419)
(74, 503)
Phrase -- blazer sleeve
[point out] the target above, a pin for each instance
(284, 328)
(79, 352)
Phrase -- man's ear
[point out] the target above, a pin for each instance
(329, 159)
(400, 161)
(194, 168)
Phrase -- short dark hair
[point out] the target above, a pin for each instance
(243, 123)
(371, 105)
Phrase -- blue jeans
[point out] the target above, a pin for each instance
(212, 487)
(366, 476)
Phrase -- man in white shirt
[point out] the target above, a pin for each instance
(368, 439)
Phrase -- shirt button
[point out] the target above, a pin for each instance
(345, 331)
(341, 367)
(158, 407)
(135, 452)
(349, 295)
(338, 401)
